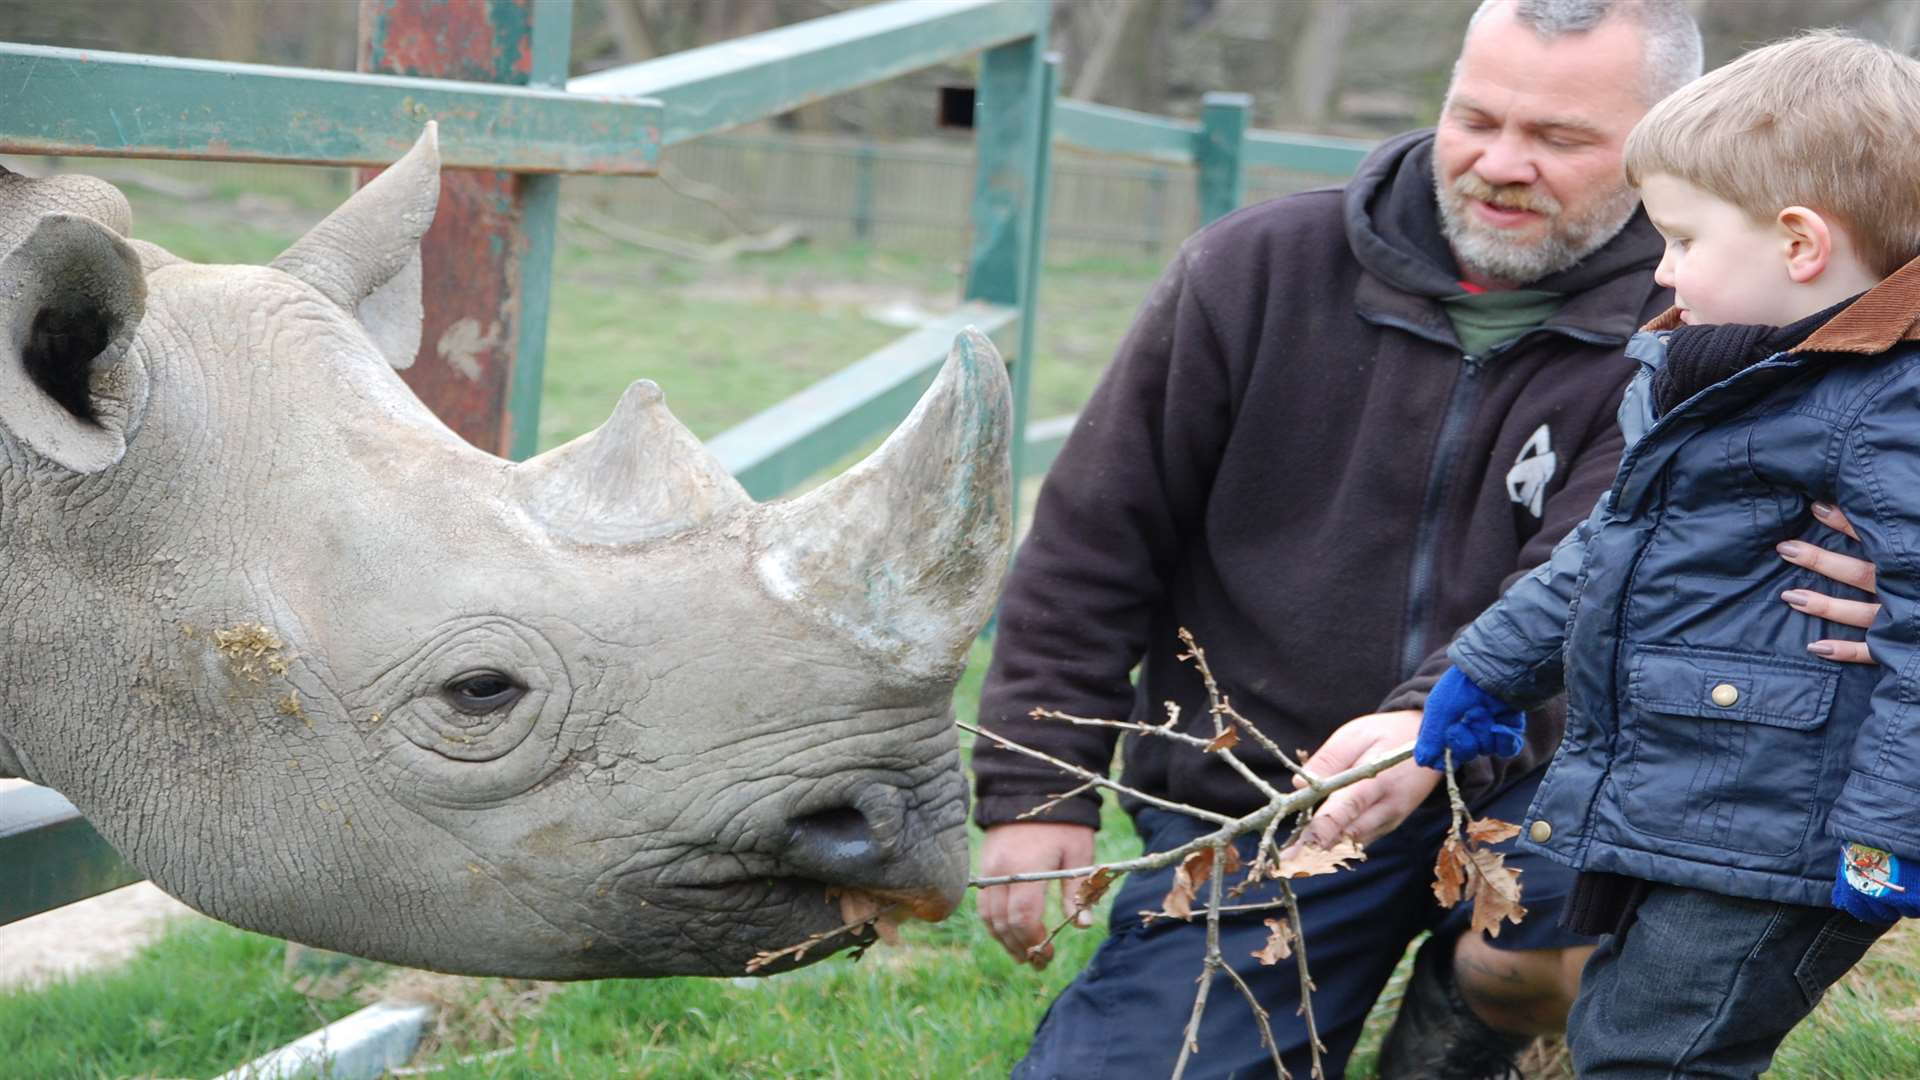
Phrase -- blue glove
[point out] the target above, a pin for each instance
(1876, 886)
(1467, 720)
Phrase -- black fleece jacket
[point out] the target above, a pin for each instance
(1291, 457)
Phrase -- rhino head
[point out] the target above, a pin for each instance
(323, 670)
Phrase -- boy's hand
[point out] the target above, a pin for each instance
(1876, 886)
(1467, 720)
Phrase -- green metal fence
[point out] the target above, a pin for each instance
(507, 120)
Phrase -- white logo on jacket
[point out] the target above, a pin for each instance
(1527, 480)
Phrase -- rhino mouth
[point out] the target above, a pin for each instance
(781, 922)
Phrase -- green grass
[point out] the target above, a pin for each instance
(201, 1000)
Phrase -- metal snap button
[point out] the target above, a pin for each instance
(1540, 832)
(1725, 695)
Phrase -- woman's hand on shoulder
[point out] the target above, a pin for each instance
(1845, 569)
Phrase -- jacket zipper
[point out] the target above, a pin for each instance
(1461, 402)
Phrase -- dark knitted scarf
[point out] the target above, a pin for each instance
(1699, 356)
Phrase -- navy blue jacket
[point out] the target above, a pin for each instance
(1703, 746)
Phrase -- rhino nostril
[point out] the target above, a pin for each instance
(841, 834)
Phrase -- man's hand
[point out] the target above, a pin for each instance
(1844, 569)
(1371, 808)
(1016, 914)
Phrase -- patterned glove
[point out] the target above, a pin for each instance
(1467, 720)
(1876, 886)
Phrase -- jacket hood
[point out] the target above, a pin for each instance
(1393, 226)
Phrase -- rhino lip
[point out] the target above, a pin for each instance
(928, 905)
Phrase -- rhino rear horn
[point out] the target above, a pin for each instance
(638, 477)
(71, 297)
(906, 550)
(365, 256)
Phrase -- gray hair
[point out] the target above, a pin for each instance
(1672, 56)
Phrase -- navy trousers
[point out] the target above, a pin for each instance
(1123, 1016)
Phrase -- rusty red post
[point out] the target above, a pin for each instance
(488, 257)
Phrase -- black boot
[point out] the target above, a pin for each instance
(1436, 1036)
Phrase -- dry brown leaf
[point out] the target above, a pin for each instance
(1310, 861)
(1232, 863)
(1192, 870)
(1491, 831)
(855, 906)
(1450, 872)
(1228, 738)
(858, 906)
(1094, 887)
(1279, 944)
(1495, 889)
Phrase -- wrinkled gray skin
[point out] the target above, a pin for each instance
(252, 589)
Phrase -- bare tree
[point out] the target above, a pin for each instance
(1316, 59)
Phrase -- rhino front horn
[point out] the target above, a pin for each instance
(906, 550)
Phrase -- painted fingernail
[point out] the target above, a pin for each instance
(1083, 920)
(1792, 549)
(1822, 510)
(1820, 648)
(1797, 597)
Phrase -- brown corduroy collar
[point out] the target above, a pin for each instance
(1886, 315)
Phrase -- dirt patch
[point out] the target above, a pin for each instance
(251, 650)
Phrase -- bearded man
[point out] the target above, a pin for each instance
(1342, 423)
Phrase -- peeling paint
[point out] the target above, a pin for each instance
(463, 342)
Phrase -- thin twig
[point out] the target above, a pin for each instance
(1314, 1046)
(1034, 950)
(1053, 802)
(1213, 963)
(1232, 827)
(1460, 815)
(1165, 731)
(1259, 1017)
(1229, 909)
(1223, 708)
(1097, 779)
(799, 951)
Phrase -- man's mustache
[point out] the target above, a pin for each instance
(1506, 196)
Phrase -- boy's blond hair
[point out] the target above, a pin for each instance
(1823, 120)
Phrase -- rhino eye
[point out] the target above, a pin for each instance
(480, 692)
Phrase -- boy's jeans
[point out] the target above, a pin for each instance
(1707, 985)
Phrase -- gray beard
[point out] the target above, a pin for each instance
(1489, 253)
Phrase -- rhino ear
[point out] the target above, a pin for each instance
(365, 256)
(71, 297)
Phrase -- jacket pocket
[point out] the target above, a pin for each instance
(1727, 749)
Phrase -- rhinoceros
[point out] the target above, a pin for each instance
(323, 670)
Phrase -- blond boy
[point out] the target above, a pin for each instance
(1741, 815)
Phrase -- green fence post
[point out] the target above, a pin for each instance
(1012, 114)
(489, 256)
(540, 225)
(1218, 150)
